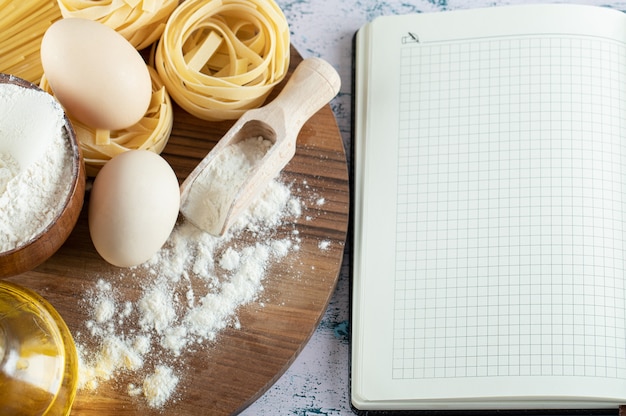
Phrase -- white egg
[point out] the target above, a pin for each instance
(133, 207)
(95, 73)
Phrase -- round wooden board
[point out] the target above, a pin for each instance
(225, 376)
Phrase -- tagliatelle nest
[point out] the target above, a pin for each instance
(221, 58)
(22, 26)
(141, 22)
(150, 133)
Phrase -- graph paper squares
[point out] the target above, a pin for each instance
(510, 218)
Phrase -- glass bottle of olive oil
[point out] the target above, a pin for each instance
(38, 361)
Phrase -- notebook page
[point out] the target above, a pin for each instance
(510, 221)
(509, 224)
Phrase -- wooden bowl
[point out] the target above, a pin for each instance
(42, 246)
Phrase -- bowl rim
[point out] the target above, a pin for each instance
(75, 156)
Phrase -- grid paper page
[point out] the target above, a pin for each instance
(510, 218)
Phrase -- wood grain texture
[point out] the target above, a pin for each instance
(226, 376)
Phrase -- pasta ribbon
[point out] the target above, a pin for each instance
(151, 133)
(22, 26)
(219, 58)
(141, 22)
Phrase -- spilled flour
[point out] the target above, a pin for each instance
(195, 285)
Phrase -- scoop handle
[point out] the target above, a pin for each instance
(312, 85)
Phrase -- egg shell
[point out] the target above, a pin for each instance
(133, 207)
(95, 73)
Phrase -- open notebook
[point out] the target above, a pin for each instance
(489, 265)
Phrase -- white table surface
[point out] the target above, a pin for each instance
(317, 383)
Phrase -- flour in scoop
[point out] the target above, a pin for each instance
(187, 293)
(214, 189)
(31, 196)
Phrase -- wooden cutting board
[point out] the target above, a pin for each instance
(227, 375)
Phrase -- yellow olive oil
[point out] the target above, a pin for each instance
(38, 361)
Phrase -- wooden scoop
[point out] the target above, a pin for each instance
(312, 85)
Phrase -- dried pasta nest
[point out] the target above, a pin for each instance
(22, 26)
(221, 58)
(140, 22)
(150, 133)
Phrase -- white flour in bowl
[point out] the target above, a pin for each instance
(31, 196)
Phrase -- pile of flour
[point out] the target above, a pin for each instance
(33, 189)
(197, 283)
